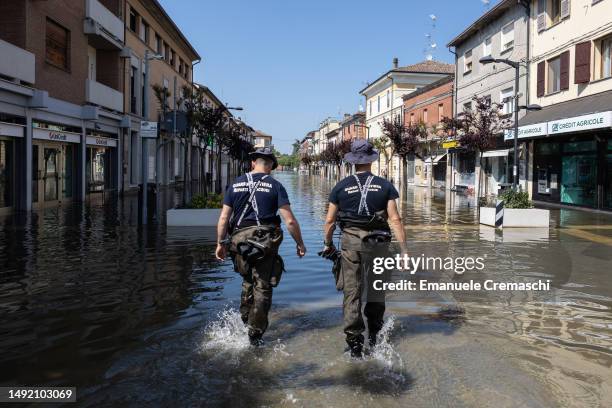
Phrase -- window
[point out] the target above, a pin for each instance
(467, 62)
(507, 100)
(57, 45)
(172, 58)
(166, 53)
(467, 106)
(554, 75)
(486, 47)
(133, 20)
(144, 32)
(142, 97)
(378, 108)
(606, 57)
(133, 98)
(440, 112)
(555, 11)
(388, 99)
(507, 37)
(180, 67)
(158, 44)
(425, 115)
(412, 118)
(487, 100)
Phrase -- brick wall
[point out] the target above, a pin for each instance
(431, 100)
(12, 22)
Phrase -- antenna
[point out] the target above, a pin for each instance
(486, 4)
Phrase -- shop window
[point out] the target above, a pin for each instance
(6, 173)
(575, 147)
(548, 148)
(57, 45)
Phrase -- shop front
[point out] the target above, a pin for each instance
(11, 134)
(54, 158)
(572, 160)
(101, 159)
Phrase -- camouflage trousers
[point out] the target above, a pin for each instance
(256, 296)
(355, 270)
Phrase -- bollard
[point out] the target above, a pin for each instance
(499, 214)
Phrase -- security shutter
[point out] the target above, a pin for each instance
(564, 60)
(582, 68)
(541, 15)
(541, 88)
(565, 8)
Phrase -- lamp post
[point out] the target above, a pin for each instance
(517, 66)
(145, 143)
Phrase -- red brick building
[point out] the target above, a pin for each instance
(429, 105)
(353, 126)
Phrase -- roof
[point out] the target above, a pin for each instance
(355, 116)
(157, 7)
(212, 96)
(259, 133)
(484, 20)
(423, 67)
(429, 87)
(600, 102)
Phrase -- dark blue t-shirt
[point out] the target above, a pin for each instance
(270, 196)
(346, 193)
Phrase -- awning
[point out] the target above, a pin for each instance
(435, 160)
(496, 153)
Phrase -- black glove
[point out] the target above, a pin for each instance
(329, 252)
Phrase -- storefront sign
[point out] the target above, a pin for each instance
(538, 129)
(451, 144)
(101, 141)
(579, 123)
(56, 136)
(11, 129)
(148, 129)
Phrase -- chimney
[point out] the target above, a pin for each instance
(395, 63)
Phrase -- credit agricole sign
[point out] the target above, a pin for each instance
(575, 124)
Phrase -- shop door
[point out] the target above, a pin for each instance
(52, 173)
(579, 180)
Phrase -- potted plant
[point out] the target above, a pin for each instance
(518, 211)
(201, 211)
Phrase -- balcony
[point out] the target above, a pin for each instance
(16, 63)
(105, 96)
(105, 30)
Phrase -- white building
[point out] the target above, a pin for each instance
(383, 97)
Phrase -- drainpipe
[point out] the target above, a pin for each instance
(455, 84)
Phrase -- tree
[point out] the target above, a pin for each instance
(477, 128)
(395, 130)
(381, 144)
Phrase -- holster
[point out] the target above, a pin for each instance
(264, 241)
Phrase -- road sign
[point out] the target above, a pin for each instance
(148, 130)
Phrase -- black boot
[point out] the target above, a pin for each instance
(355, 346)
(255, 338)
(372, 339)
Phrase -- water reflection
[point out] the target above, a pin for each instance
(87, 298)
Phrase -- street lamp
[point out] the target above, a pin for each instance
(516, 65)
(145, 143)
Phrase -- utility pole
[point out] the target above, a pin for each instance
(145, 141)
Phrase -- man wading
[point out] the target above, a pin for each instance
(364, 206)
(252, 202)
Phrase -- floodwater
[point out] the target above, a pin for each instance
(147, 317)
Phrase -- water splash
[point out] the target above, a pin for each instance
(227, 332)
(383, 352)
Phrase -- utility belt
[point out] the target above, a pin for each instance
(257, 247)
(376, 221)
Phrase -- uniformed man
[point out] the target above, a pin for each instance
(249, 214)
(364, 207)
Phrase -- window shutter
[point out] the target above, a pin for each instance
(541, 78)
(541, 15)
(582, 68)
(564, 70)
(565, 8)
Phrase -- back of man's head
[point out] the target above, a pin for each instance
(261, 164)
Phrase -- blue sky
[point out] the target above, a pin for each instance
(291, 64)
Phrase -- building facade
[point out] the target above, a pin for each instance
(353, 126)
(570, 139)
(61, 101)
(383, 97)
(429, 106)
(502, 33)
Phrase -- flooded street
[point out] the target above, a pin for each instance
(135, 317)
